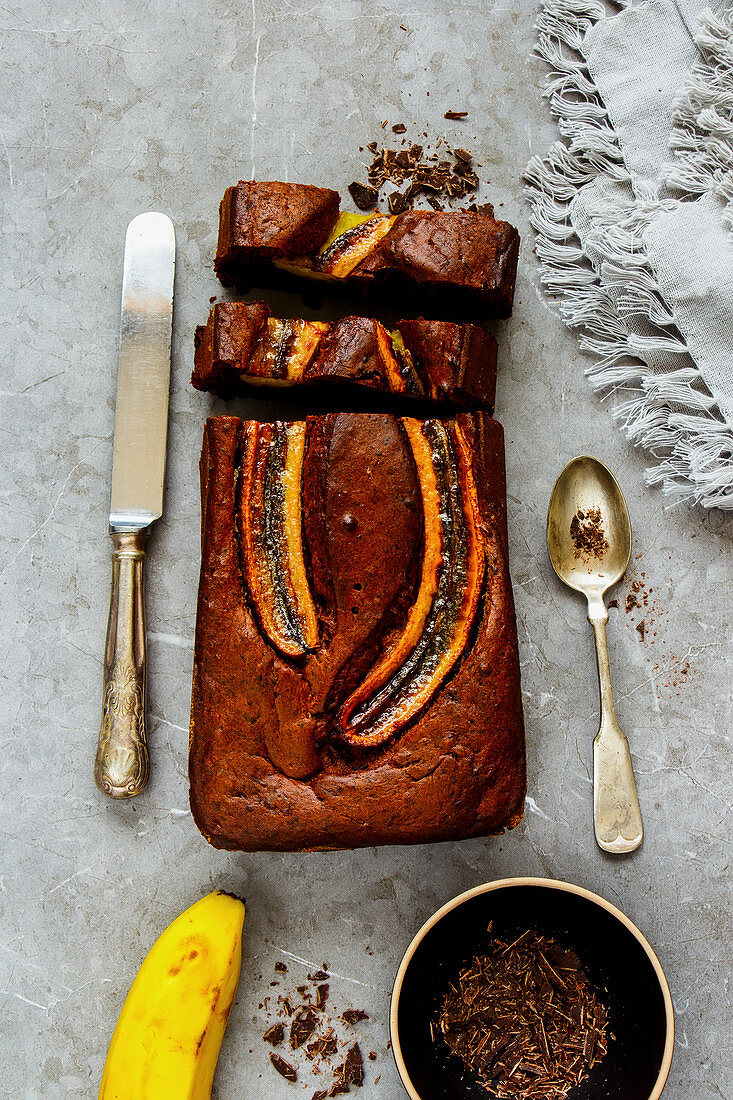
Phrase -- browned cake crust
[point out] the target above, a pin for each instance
(371, 696)
(280, 220)
(461, 262)
(242, 345)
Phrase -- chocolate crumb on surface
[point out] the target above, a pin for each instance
(587, 533)
(354, 1066)
(302, 1027)
(351, 1072)
(524, 1018)
(274, 1034)
(364, 197)
(281, 967)
(456, 116)
(284, 1068)
(320, 1094)
(354, 1015)
(431, 177)
(321, 1044)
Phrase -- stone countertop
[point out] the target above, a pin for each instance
(110, 109)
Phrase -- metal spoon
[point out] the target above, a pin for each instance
(587, 489)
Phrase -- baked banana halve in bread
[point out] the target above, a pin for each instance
(243, 346)
(356, 679)
(453, 262)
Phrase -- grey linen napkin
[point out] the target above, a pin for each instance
(632, 217)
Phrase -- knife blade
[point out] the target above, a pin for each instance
(122, 763)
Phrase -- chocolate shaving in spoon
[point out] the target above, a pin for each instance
(587, 533)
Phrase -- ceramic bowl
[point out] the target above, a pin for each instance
(615, 955)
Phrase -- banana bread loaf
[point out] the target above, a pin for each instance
(356, 679)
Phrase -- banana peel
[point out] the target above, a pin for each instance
(166, 1042)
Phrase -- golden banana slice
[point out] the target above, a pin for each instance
(167, 1039)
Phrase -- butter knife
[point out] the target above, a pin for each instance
(122, 765)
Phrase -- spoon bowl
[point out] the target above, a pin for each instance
(584, 486)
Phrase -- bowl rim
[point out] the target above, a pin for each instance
(552, 884)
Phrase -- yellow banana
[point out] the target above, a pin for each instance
(167, 1038)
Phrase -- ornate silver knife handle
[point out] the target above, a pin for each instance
(122, 765)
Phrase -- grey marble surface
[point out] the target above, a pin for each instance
(110, 109)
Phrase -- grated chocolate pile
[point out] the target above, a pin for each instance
(525, 1020)
(437, 177)
(320, 1043)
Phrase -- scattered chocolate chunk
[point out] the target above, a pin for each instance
(372, 1055)
(274, 1034)
(524, 1018)
(284, 1068)
(631, 602)
(321, 996)
(320, 1094)
(364, 197)
(354, 1015)
(613, 603)
(640, 629)
(400, 128)
(319, 976)
(428, 176)
(485, 208)
(353, 1067)
(351, 1072)
(586, 531)
(456, 116)
(324, 1046)
(303, 1026)
(281, 967)
(397, 202)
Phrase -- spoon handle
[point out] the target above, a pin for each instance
(616, 813)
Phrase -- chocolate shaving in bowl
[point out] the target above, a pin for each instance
(524, 1018)
(587, 533)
